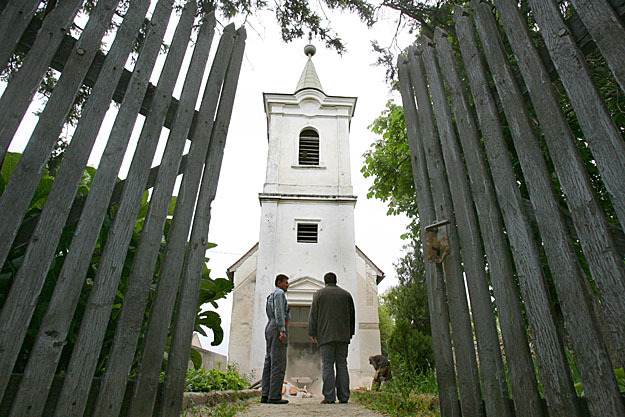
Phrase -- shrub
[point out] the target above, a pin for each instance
(201, 380)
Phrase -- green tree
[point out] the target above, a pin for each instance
(387, 162)
(386, 326)
(410, 343)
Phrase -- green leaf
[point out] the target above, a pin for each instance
(172, 205)
(10, 163)
(196, 358)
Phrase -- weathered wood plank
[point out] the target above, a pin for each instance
(491, 224)
(520, 365)
(23, 85)
(60, 311)
(22, 298)
(582, 38)
(599, 129)
(24, 181)
(62, 55)
(607, 31)
(616, 232)
(13, 21)
(186, 307)
(149, 369)
(606, 266)
(132, 313)
(466, 365)
(564, 266)
(555, 374)
(53, 329)
(88, 345)
(44, 355)
(437, 303)
(28, 226)
(491, 365)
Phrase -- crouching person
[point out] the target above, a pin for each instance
(382, 367)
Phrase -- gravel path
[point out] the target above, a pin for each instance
(307, 407)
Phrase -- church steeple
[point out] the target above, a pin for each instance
(309, 77)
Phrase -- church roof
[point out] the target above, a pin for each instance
(309, 77)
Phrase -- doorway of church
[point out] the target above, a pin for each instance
(303, 357)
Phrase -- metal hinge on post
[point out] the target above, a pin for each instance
(437, 241)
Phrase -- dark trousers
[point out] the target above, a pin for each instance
(335, 385)
(275, 363)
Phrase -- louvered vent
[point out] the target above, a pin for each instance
(307, 233)
(309, 147)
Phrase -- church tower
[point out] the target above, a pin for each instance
(306, 230)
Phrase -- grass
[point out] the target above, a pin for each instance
(221, 410)
(408, 394)
(393, 404)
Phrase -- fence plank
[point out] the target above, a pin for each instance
(23, 85)
(88, 345)
(607, 31)
(44, 356)
(144, 263)
(13, 21)
(599, 129)
(492, 372)
(437, 303)
(28, 226)
(22, 298)
(551, 361)
(606, 266)
(186, 306)
(491, 223)
(593, 359)
(69, 284)
(466, 365)
(520, 365)
(149, 368)
(24, 180)
(62, 55)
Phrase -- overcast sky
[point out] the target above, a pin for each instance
(272, 66)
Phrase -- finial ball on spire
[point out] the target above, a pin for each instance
(310, 50)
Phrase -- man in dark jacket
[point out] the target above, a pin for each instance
(331, 324)
(278, 315)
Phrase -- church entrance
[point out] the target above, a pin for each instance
(303, 357)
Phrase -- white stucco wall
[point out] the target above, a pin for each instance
(242, 314)
(322, 195)
(287, 116)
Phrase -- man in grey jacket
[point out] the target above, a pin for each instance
(276, 332)
(331, 324)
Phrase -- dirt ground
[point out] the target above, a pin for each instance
(307, 407)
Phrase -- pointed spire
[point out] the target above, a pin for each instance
(309, 77)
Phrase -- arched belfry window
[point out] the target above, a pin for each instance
(309, 147)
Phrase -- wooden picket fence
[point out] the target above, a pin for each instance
(45, 43)
(467, 110)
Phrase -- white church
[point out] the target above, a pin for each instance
(306, 230)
